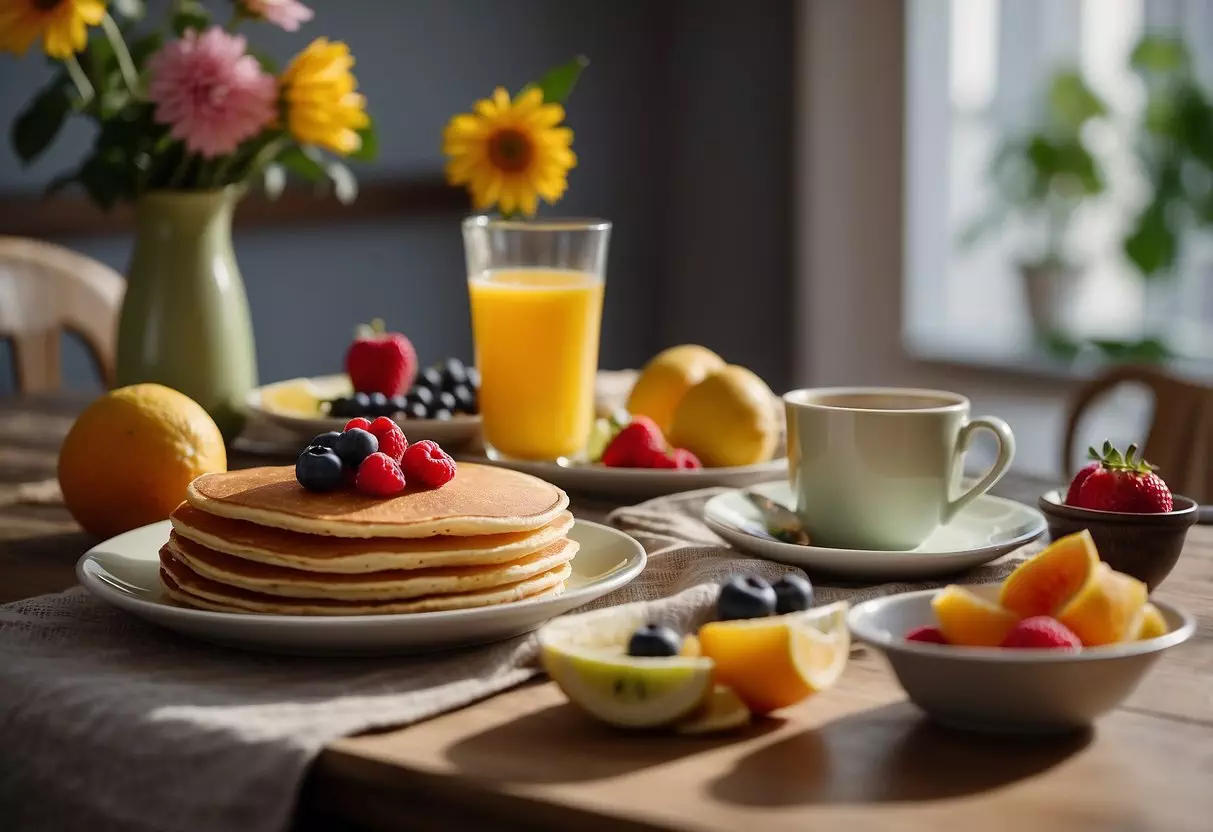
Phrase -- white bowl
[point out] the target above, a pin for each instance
(1007, 691)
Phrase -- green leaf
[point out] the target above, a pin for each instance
(267, 61)
(130, 9)
(559, 82)
(1160, 54)
(296, 160)
(143, 48)
(190, 14)
(1152, 245)
(369, 149)
(38, 124)
(1072, 102)
(345, 185)
(103, 177)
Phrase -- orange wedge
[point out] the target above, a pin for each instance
(1149, 624)
(1106, 608)
(971, 620)
(1044, 583)
(771, 663)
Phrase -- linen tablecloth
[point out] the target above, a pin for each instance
(107, 723)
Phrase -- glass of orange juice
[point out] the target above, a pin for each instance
(536, 290)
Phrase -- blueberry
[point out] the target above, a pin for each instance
(745, 596)
(422, 394)
(447, 401)
(399, 403)
(453, 374)
(362, 404)
(318, 469)
(354, 446)
(343, 408)
(431, 377)
(442, 415)
(326, 440)
(654, 640)
(465, 399)
(380, 405)
(416, 410)
(792, 594)
(473, 378)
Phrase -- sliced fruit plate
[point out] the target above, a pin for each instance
(304, 407)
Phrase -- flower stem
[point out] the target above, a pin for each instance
(83, 85)
(129, 74)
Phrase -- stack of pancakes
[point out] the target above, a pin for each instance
(256, 541)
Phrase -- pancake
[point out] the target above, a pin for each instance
(190, 589)
(481, 499)
(398, 584)
(321, 553)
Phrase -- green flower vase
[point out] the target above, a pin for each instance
(185, 318)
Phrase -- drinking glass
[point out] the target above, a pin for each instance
(536, 291)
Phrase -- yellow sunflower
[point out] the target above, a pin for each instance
(510, 153)
(322, 107)
(62, 25)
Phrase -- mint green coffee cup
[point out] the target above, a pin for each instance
(879, 467)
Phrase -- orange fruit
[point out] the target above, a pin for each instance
(1106, 608)
(1044, 583)
(771, 663)
(667, 378)
(970, 620)
(1149, 624)
(128, 458)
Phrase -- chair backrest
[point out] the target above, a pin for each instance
(46, 289)
(1180, 437)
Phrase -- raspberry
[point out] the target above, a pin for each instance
(654, 459)
(685, 459)
(428, 464)
(358, 422)
(635, 445)
(391, 438)
(926, 635)
(379, 476)
(1042, 632)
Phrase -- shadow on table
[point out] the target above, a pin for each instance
(560, 744)
(887, 754)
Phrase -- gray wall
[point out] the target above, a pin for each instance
(683, 137)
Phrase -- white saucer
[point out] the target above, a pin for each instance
(988, 528)
(641, 483)
(124, 571)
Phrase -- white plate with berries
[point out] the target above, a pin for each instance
(986, 529)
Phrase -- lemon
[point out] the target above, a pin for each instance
(667, 378)
(723, 710)
(775, 662)
(727, 419)
(291, 398)
(586, 656)
(128, 458)
(1149, 624)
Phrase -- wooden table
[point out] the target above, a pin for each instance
(858, 757)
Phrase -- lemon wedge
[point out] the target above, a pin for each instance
(722, 711)
(291, 398)
(775, 662)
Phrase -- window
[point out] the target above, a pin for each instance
(976, 71)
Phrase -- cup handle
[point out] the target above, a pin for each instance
(1006, 452)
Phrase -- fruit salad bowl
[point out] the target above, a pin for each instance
(1146, 546)
(1000, 690)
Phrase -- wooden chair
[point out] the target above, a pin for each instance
(46, 289)
(1180, 437)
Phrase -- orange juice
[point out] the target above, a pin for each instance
(536, 332)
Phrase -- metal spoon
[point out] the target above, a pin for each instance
(781, 523)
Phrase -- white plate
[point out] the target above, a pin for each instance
(458, 431)
(986, 529)
(641, 483)
(124, 571)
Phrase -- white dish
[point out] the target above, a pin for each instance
(453, 433)
(1007, 691)
(641, 483)
(986, 529)
(124, 571)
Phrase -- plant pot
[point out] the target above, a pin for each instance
(1052, 293)
(185, 317)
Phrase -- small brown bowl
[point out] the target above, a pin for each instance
(1145, 546)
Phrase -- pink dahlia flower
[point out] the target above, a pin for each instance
(285, 13)
(213, 93)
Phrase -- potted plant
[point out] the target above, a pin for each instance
(1041, 178)
(187, 115)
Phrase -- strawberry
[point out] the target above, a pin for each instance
(636, 446)
(381, 362)
(927, 635)
(1041, 632)
(1079, 479)
(1123, 484)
